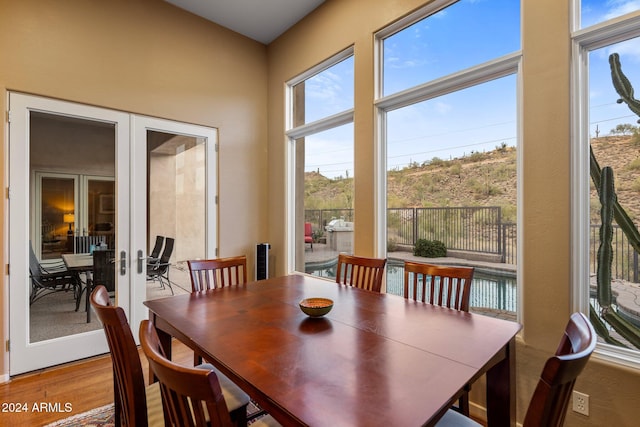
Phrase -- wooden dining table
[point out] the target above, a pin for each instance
(373, 360)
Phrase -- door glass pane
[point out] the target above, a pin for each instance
(63, 152)
(176, 188)
(101, 210)
(57, 208)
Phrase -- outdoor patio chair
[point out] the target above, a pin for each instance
(308, 234)
(160, 270)
(51, 278)
(192, 397)
(548, 405)
(360, 272)
(154, 256)
(445, 286)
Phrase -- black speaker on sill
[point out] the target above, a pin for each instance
(262, 261)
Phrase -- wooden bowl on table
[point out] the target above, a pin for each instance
(316, 307)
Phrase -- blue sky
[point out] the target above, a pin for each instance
(481, 118)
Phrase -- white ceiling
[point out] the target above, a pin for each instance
(261, 20)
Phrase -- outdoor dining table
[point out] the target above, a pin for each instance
(373, 360)
(80, 263)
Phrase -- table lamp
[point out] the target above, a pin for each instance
(70, 219)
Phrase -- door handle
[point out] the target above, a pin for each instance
(141, 258)
(123, 263)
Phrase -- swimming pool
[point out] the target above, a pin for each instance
(490, 289)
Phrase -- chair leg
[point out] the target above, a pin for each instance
(463, 402)
(239, 416)
(169, 281)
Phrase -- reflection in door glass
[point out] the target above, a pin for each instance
(176, 215)
(57, 216)
(72, 162)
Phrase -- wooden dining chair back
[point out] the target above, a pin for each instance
(186, 392)
(444, 286)
(217, 273)
(548, 405)
(360, 272)
(130, 398)
(438, 285)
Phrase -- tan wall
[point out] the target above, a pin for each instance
(545, 202)
(151, 58)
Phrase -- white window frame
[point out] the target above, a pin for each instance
(293, 133)
(510, 64)
(584, 41)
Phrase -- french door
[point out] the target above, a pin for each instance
(173, 195)
(82, 170)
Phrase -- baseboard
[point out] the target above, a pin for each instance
(4, 378)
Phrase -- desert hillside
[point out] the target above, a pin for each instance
(479, 179)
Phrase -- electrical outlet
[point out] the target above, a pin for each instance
(581, 403)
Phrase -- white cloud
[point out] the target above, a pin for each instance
(443, 108)
(621, 7)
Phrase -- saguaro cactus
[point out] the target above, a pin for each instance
(610, 211)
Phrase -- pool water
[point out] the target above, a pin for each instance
(490, 289)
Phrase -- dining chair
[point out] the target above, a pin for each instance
(191, 397)
(136, 404)
(445, 286)
(217, 273)
(160, 270)
(548, 405)
(360, 272)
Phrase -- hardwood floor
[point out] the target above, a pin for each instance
(65, 390)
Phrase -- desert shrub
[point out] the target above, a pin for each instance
(634, 164)
(429, 248)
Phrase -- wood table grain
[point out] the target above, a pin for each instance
(374, 360)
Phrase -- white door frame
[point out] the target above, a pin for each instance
(138, 199)
(25, 356)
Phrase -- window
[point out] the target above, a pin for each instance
(321, 168)
(597, 11)
(440, 44)
(448, 109)
(610, 131)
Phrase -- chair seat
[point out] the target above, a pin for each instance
(266, 421)
(456, 419)
(233, 395)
